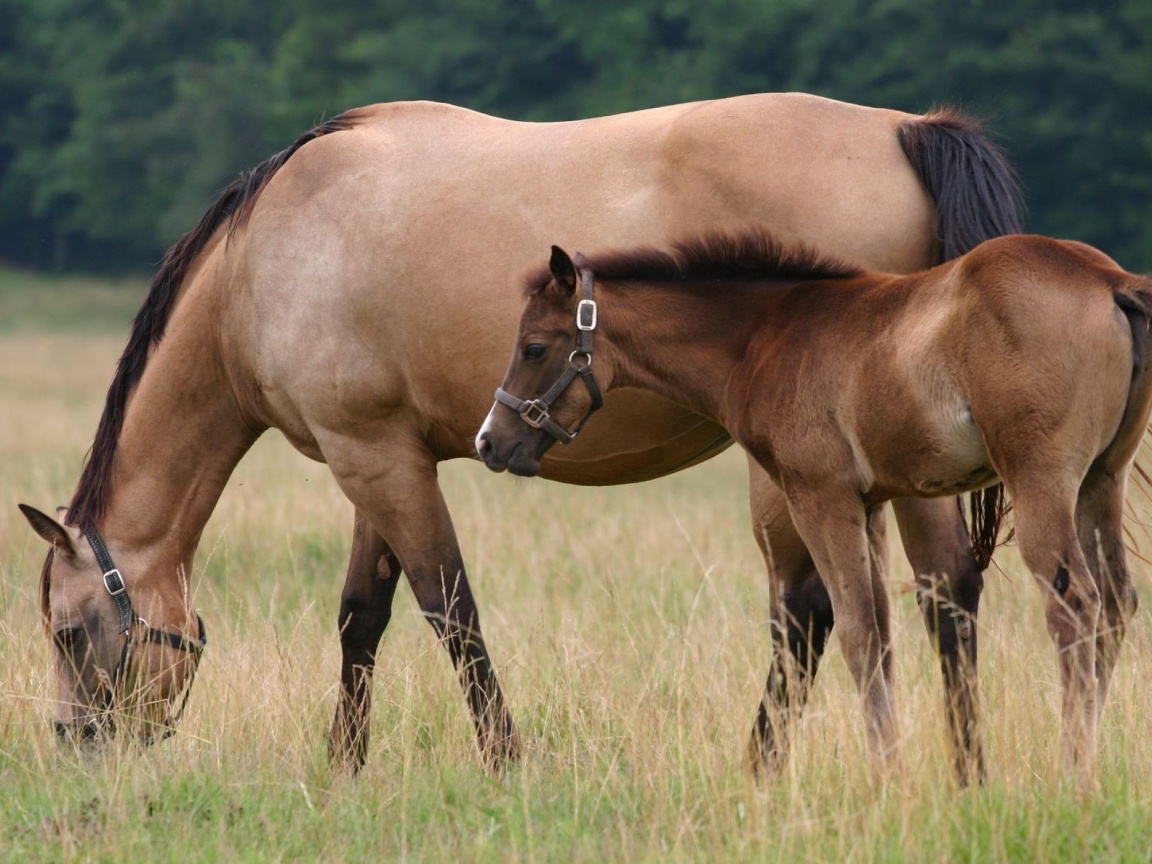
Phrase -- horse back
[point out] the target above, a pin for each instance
(410, 231)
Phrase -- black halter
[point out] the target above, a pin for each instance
(114, 584)
(536, 412)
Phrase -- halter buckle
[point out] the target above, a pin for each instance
(114, 582)
(534, 413)
(586, 315)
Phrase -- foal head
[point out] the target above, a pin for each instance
(550, 389)
(126, 646)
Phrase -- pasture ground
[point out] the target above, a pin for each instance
(629, 629)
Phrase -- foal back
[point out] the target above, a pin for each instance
(922, 385)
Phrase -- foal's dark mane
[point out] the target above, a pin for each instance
(751, 254)
(234, 206)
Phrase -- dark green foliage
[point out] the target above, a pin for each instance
(121, 119)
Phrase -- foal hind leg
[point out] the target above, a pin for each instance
(948, 588)
(365, 609)
(1046, 534)
(1099, 511)
(801, 621)
(394, 484)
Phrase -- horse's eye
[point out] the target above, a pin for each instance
(67, 637)
(535, 351)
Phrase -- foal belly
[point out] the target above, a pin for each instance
(960, 479)
(945, 457)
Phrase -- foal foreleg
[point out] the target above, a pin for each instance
(365, 609)
(801, 621)
(834, 527)
(948, 588)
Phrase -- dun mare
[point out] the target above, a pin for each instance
(1023, 360)
(315, 297)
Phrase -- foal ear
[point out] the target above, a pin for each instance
(563, 271)
(51, 531)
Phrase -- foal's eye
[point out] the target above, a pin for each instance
(535, 352)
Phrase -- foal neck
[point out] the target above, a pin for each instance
(682, 341)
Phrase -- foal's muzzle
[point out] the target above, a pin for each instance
(537, 412)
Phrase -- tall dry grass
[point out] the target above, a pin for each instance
(628, 626)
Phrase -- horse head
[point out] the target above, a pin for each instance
(124, 651)
(553, 350)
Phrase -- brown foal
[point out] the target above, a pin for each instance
(1024, 360)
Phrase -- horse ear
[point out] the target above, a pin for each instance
(563, 271)
(51, 531)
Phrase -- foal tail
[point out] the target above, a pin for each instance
(977, 198)
(1135, 301)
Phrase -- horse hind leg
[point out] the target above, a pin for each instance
(948, 587)
(365, 609)
(801, 622)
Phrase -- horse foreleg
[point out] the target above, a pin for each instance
(801, 621)
(948, 588)
(396, 488)
(1099, 513)
(365, 609)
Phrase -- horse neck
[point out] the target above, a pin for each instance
(681, 342)
(183, 434)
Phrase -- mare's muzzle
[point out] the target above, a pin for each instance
(134, 630)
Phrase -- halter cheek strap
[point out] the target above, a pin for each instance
(537, 412)
(114, 585)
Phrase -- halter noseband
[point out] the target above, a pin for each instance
(114, 584)
(537, 412)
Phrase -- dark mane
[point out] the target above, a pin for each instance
(234, 205)
(751, 254)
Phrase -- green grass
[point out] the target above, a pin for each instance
(628, 627)
(31, 302)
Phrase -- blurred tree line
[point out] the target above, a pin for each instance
(121, 119)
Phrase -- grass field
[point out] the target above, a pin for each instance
(628, 626)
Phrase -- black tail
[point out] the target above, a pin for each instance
(977, 198)
(967, 175)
